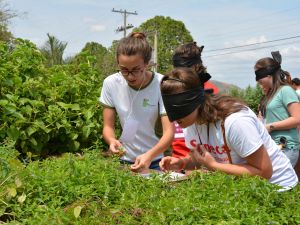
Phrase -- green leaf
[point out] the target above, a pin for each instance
(76, 145)
(73, 136)
(41, 125)
(75, 107)
(10, 108)
(12, 97)
(33, 141)
(77, 211)
(31, 130)
(86, 131)
(23, 101)
(13, 133)
(22, 198)
(36, 103)
(88, 114)
(18, 115)
(12, 192)
(3, 102)
(8, 82)
(63, 105)
(27, 110)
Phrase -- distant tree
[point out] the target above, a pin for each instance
(97, 56)
(250, 95)
(53, 51)
(171, 33)
(5, 15)
(94, 50)
(110, 60)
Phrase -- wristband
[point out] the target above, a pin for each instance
(272, 127)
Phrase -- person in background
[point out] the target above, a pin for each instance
(296, 85)
(222, 133)
(133, 94)
(280, 105)
(189, 55)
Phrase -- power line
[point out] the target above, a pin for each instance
(125, 14)
(250, 20)
(254, 29)
(249, 50)
(258, 43)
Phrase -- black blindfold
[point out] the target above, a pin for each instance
(264, 72)
(185, 62)
(182, 104)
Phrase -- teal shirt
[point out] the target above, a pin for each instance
(277, 110)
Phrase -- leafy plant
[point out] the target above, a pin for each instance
(89, 189)
(47, 110)
(250, 95)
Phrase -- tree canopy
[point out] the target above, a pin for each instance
(97, 56)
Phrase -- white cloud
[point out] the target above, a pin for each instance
(97, 28)
(93, 26)
(291, 51)
(88, 20)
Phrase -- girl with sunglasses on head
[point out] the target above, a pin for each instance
(279, 107)
(133, 94)
(222, 133)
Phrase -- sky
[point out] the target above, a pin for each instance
(235, 33)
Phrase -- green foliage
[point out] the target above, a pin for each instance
(251, 96)
(88, 189)
(96, 56)
(171, 33)
(53, 51)
(47, 110)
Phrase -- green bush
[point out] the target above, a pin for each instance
(44, 110)
(251, 96)
(90, 189)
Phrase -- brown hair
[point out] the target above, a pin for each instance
(280, 78)
(215, 107)
(191, 50)
(135, 44)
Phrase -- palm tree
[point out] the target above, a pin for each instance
(53, 51)
(6, 15)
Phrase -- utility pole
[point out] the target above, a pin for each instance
(125, 14)
(154, 59)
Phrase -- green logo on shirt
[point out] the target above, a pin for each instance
(146, 103)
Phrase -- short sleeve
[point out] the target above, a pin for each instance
(242, 135)
(106, 95)
(289, 95)
(162, 110)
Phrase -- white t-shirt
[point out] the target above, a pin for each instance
(244, 134)
(144, 106)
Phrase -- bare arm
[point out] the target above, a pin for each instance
(166, 139)
(109, 119)
(143, 161)
(292, 122)
(258, 163)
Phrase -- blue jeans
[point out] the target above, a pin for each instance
(154, 164)
(292, 154)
